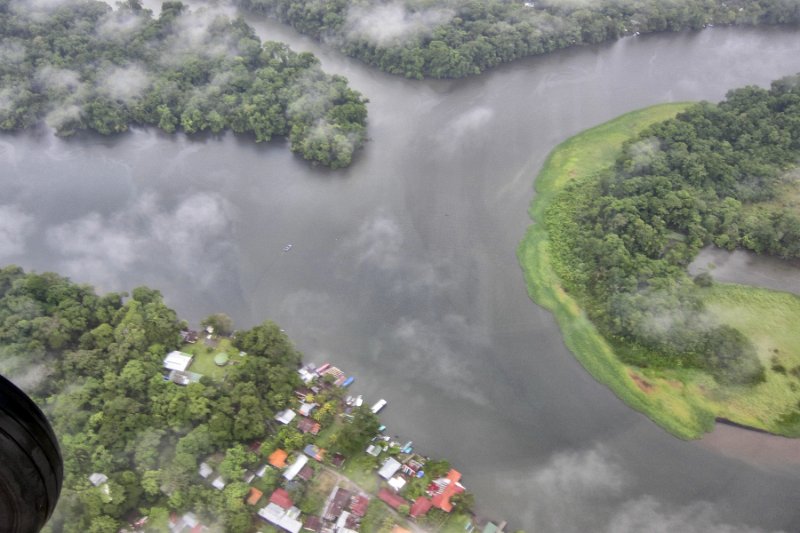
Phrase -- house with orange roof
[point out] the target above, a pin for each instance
(449, 487)
(254, 496)
(278, 458)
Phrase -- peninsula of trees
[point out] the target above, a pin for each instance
(82, 65)
(456, 38)
(139, 443)
(621, 230)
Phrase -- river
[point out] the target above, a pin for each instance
(403, 268)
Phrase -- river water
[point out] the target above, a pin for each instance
(403, 268)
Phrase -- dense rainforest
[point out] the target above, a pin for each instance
(94, 364)
(720, 174)
(81, 65)
(456, 38)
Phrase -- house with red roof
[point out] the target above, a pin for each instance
(391, 499)
(420, 507)
(358, 505)
(281, 498)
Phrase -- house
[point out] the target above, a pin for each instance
(397, 482)
(176, 360)
(391, 499)
(248, 476)
(313, 523)
(302, 393)
(189, 336)
(218, 483)
(205, 470)
(98, 479)
(447, 487)
(338, 501)
(307, 408)
(295, 468)
(184, 378)
(262, 470)
(373, 450)
(389, 468)
(398, 529)
(277, 459)
(358, 505)
(285, 416)
(306, 425)
(306, 473)
(315, 452)
(188, 520)
(338, 460)
(284, 519)
(421, 507)
(281, 498)
(254, 496)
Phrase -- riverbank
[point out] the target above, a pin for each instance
(683, 402)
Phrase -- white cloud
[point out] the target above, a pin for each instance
(392, 23)
(15, 227)
(124, 83)
(467, 123)
(647, 514)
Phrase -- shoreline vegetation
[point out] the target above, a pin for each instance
(683, 401)
(458, 38)
(162, 427)
(83, 65)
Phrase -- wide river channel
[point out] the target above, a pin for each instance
(403, 269)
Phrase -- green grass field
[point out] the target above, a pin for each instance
(685, 403)
(203, 362)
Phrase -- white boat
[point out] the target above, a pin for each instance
(359, 401)
(287, 247)
(380, 404)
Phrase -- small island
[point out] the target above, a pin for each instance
(165, 428)
(87, 66)
(623, 208)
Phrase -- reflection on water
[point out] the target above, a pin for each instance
(403, 269)
(747, 268)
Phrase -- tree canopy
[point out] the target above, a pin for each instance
(455, 38)
(81, 65)
(94, 363)
(714, 174)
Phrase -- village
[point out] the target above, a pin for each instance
(295, 484)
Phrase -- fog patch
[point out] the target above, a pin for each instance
(468, 123)
(124, 83)
(53, 78)
(192, 36)
(188, 239)
(15, 227)
(62, 116)
(119, 24)
(392, 23)
(12, 51)
(642, 153)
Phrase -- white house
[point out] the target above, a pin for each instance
(177, 361)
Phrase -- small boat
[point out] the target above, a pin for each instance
(380, 404)
(349, 381)
(287, 247)
(407, 447)
(359, 401)
(349, 400)
(382, 428)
